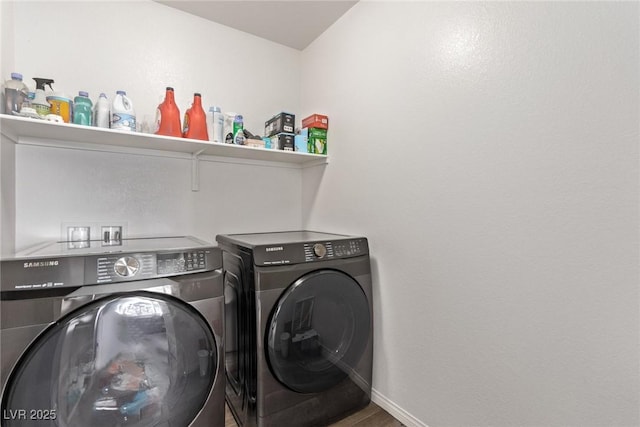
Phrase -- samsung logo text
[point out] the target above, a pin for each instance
(37, 264)
(275, 248)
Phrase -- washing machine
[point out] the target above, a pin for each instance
(299, 341)
(129, 334)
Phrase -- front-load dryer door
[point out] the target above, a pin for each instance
(318, 331)
(134, 359)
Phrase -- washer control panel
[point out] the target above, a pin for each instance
(119, 267)
(50, 272)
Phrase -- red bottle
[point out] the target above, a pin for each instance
(195, 120)
(168, 116)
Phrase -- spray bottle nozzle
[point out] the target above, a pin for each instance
(40, 83)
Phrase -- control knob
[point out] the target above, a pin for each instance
(126, 266)
(320, 250)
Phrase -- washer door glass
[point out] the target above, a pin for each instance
(135, 359)
(318, 331)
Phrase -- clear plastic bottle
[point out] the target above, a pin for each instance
(215, 124)
(15, 92)
(102, 112)
(27, 110)
(82, 109)
(195, 120)
(168, 116)
(28, 101)
(123, 116)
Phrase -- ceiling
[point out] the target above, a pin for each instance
(293, 23)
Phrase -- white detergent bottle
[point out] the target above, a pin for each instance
(101, 112)
(123, 116)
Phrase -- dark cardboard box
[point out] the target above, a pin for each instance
(280, 123)
(283, 141)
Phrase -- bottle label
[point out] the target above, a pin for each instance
(185, 126)
(123, 121)
(239, 138)
(218, 123)
(237, 126)
(102, 117)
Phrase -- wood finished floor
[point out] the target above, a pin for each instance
(371, 416)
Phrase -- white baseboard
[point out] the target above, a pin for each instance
(398, 413)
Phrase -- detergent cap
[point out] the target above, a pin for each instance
(16, 76)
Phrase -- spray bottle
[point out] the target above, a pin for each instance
(40, 103)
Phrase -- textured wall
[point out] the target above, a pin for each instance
(490, 152)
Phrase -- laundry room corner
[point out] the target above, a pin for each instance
(458, 244)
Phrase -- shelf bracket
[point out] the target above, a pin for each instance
(195, 170)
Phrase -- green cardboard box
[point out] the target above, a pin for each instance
(317, 143)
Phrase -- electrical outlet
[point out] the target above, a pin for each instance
(83, 234)
(111, 235)
(78, 236)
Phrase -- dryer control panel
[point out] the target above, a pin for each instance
(296, 253)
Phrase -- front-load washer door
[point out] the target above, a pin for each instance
(318, 331)
(133, 359)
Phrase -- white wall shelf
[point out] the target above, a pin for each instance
(40, 132)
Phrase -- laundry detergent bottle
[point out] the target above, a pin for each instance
(123, 115)
(102, 112)
(82, 109)
(15, 92)
(195, 120)
(168, 116)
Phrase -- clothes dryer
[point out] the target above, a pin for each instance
(126, 335)
(298, 327)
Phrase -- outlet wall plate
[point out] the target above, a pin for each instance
(94, 232)
(78, 236)
(111, 235)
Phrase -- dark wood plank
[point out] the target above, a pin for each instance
(228, 418)
(370, 411)
(371, 416)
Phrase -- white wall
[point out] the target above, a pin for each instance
(142, 47)
(7, 149)
(151, 195)
(490, 153)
